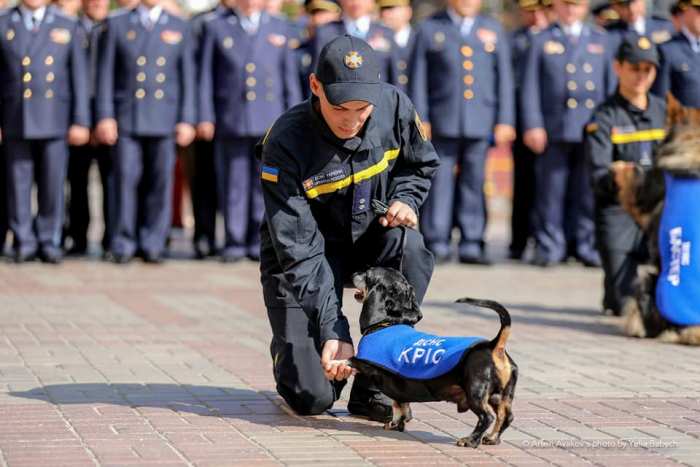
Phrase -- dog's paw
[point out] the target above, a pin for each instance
(395, 426)
(469, 442)
(491, 440)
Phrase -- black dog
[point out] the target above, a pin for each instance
(483, 380)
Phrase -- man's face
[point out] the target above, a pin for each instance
(466, 7)
(396, 17)
(69, 7)
(536, 18)
(345, 120)
(570, 13)
(321, 17)
(357, 8)
(250, 6)
(635, 78)
(34, 4)
(150, 3)
(96, 10)
(631, 11)
(691, 19)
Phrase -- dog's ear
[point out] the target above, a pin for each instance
(401, 304)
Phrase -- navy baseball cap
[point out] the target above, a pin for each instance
(638, 49)
(349, 70)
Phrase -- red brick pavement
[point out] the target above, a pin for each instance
(169, 366)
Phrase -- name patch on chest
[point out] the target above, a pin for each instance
(406, 352)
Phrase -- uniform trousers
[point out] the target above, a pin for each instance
(240, 195)
(563, 193)
(296, 348)
(523, 197)
(457, 199)
(3, 199)
(622, 247)
(79, 162)
(143, 172)
(204, 194)
(43, 161)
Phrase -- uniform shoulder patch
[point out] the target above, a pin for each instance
(419, 127)
(269, 173)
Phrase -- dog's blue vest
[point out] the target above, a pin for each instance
(678, 287)
(406, 352)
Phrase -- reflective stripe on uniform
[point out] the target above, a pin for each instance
(654, 134)
(364, 174)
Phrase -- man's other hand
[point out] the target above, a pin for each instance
(399, 214)
(334, 359)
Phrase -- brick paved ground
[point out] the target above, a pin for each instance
(169, 365)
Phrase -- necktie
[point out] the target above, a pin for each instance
(249, 26)
(355, 31)
(35, 23)
(147, 23)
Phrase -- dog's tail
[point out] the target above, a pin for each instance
(498, 342)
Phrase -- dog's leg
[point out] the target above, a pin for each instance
(406, 412)
(398, 420)
(483, 410)
(690, 335)
(504, 416)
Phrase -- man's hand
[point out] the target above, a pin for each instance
(184, 134)
(503, 135)
(78, 135)
(205, 131)
(334, 359)
(107, 132)
(399, 214)
(536, 140)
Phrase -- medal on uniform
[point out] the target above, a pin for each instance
(439, 37)
(171, 37)
(278, 40)
(554, 48)
(597, 49)
(10, 34)
(60, 35)
(227, 42)
(130, 35)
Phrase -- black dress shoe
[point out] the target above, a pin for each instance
(24, 257)
(229, 258)
(375, 406)
(480, 260)
(589, 261)
(50, 257)
(203, 249)
(516, 255)
(152, 258)
(543, 262)
(77, 250)
(117, 258)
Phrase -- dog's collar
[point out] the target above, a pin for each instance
(376, 327)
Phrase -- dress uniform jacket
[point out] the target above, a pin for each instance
(679, 71)
(246, 80)
(404, 62)
(462, 86)
(564, 82)
(146, 79)
(318, 192)
(379, 37)
(620, 131)
(657, 30)
(43, 78)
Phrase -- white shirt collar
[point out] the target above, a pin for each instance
(640, 26)
(362, 24)
(464, 23)
(573, 29)
(693, 39)
(39, 13)
(153, 14)
(402, 36)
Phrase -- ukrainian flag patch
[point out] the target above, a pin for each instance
(271, 174)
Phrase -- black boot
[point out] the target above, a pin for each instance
(367, 401)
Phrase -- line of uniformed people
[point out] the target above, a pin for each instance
(230, 72)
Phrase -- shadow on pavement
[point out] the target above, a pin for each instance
(584, 324)
(244, 405)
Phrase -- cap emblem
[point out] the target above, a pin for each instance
(644, 43)
(353, 60)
